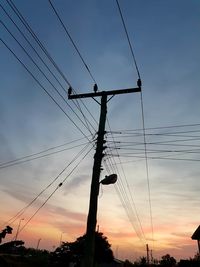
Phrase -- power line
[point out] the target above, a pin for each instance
(164, 142)
(72, 41)
(163, 127)
(14, 218)
(128, 39)
(30, 57)
(143, 123)
(46, 53)
(38, 157)
(60, 184)
(162, 158)
(160, 150)
(85, 119)
(126, 199)
(33, 48)
(40, 152)
(132, 200)
(35, 37)
(43, 88)
(137, 134)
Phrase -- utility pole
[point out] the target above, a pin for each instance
(92, 214)
(38, 243)
(147, 248)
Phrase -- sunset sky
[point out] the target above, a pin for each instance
(166, 40)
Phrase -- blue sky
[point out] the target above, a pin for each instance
(165, 37)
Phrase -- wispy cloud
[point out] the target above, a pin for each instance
(75, 182)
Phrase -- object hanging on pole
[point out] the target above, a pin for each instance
(110, 179)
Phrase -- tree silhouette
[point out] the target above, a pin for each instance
(142, 261)
(74, 251)
(197, 257)
(4, 232)
(12, 246)
(168, 261)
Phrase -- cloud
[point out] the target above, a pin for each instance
(74, 183)
(180, 234)
(68, 214)
(18, 193)
(121, 235)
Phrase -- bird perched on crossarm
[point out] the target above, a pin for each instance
(95, 88)
(139, 83)
(70, 91)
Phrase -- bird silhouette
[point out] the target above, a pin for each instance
(70, 91)
(139, 83)
(95, 88)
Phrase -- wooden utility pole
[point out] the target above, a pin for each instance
(147, 248)
(92, 214)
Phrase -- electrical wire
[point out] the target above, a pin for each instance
(32, 60)
(21, 212)
(127, 202)
(43, 88)
(162, 158)
(75, 46)
(123, 197)
(38, 55)
(35, 37)
(72, 41)
(194, 151)
(38, 157)
(177, 134)
(41, 152)
(165, 142)
(143, 122)
(60, 184)
(129, 192)
(167, 127)
(128, 39)
(87, 122)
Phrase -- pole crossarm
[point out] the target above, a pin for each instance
(112, 92)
